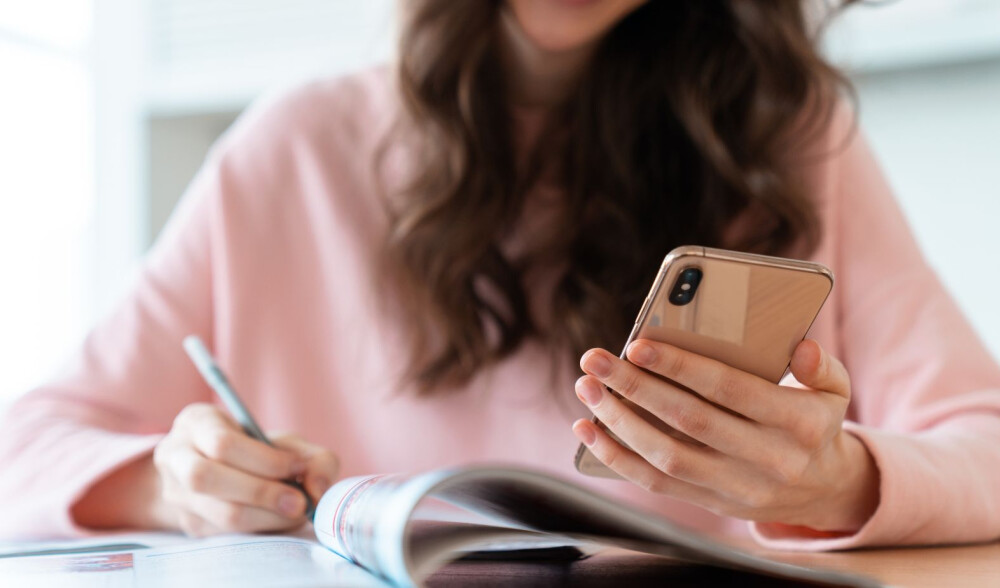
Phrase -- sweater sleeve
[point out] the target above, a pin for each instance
(240, 238)
(926, 393)
(120, 392)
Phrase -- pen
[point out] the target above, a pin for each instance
(217, 380)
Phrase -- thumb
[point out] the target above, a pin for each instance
(322, 465)
(817, 369)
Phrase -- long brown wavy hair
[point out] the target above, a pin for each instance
(683, 121)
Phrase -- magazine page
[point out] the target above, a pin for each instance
(151, 560)
(373, 521)
(396, 528)
(237, 561)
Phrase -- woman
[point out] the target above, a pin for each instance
(405, 267)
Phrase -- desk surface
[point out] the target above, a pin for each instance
(968, 566)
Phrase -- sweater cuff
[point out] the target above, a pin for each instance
(894, 455)
(108, 451)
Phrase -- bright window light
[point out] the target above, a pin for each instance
(46, 190)
(63, 23)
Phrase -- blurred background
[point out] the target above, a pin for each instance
(107, 108)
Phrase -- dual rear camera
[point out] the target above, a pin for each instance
(685, 286)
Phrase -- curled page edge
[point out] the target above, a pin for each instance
(385, 550)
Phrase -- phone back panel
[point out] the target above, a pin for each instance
(747, 315)
(748, 311)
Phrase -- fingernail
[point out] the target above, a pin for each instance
(586, 434)
(589, 392)
(290, 503)
(597, 364)
(641, 354)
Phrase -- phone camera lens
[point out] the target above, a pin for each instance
(685, 286)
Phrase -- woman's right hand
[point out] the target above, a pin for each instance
(213, 478)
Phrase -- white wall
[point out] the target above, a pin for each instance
(119, 148)
(937, 133)
(48, 204)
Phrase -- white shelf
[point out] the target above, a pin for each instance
(218, 55)
(231, 87)
(869, 38)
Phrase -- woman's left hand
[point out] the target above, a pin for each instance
(780, 455)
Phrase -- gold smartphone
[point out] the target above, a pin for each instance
(747, 311)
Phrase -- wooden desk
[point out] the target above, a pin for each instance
(971, 566)
(967, 567)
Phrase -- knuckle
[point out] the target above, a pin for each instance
(791, 469)
(630, 382)
(724, 508)
(332, 461)
(233, 517)
(170, 496)
(728, 389)
(814, 440)
(190, 525)
(656, 485)
(185, 414)
(160, 453)
(670, 464)
(170, 493)
(785, 414)
(263, 495)
(221, 444)
(192, 412)
(614, 419)
(773, 463)
(282, 463)
(808, 433)
(326, 463)
(674, 364)
(795, 474)
(199, 476)
(609, 457)
(759, 497)
(693, 422)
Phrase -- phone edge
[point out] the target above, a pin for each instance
(674, 254)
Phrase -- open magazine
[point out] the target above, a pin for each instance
(403, 528)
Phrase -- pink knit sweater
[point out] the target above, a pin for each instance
(270, 259)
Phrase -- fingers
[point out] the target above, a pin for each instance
(632, 467)
(670, 456)
(219, 438)
(665, 465)
(224, 516)
(215, 478)
(195, 526)
(322, 467)
(683, 411)
(204, 476)
(817, 369)
(765, 467)
(741, 392)
(805, 418)
(212, 497)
